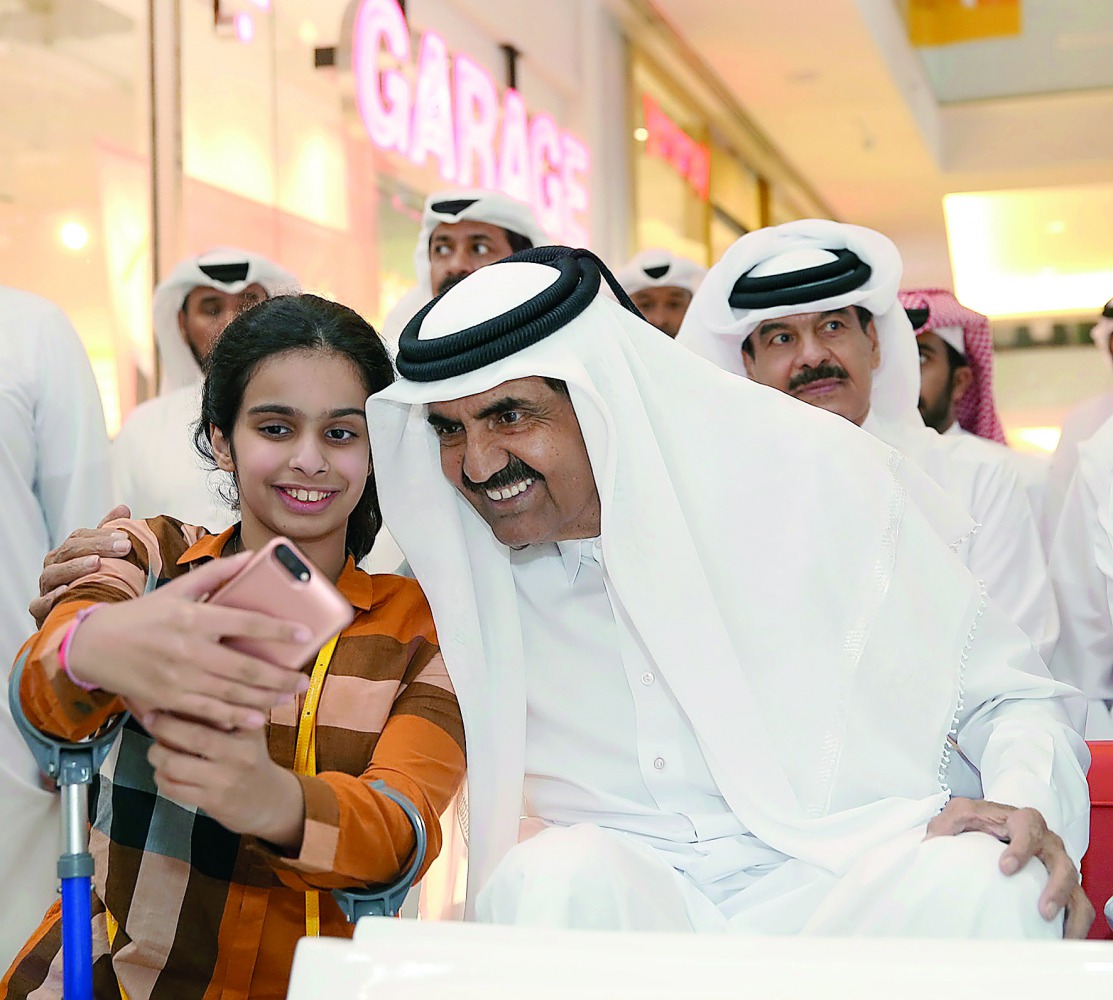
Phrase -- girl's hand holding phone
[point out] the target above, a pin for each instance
(168, 651)
(230, 775)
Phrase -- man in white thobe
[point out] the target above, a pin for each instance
(956, 383)
(54, 461)
(155, 467)
(1078, 426)
(661, 284)
(844, 344)
(462, 230)
(713, 643)
(1081, 564)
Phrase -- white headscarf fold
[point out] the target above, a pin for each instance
(492, 207)
(660, 268)
(802, 568)
(178, 365)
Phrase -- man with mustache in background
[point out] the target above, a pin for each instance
(810, 308)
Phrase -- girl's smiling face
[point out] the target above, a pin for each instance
(299, 451)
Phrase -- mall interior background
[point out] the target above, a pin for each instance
(133, 132)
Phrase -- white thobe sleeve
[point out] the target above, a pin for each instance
(72, 476)
(1007, 555)
(1081, 564)
(1021, 729)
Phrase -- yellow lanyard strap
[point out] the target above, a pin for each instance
(305, 758)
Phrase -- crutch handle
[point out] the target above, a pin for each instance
(67, 763)
(387, 901)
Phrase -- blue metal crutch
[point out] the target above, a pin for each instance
(72, 766)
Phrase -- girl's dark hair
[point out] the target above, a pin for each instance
(292, 323)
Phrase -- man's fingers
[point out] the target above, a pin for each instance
(1080, 915)
(108, 542)
(118, 513)
(39, 607)
(1025, 831)
(966, 815)
(60, 575)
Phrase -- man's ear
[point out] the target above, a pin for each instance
(748, 362)
(182, 325)
(222, 449)
(875, 347)
(963, 380)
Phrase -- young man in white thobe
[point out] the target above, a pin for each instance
(661, 284)
(154, 463)
(810, 308)
(956, 383)
(54, 463)
(462, 230)
(1078, 426)
(1081, 564)
(714, 643)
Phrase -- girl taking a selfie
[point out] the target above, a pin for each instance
(233, 801)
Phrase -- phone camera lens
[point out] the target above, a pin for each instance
(293, 565)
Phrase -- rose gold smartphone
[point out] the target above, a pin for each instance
(280, 581)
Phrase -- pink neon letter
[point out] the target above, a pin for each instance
(546, 193)
(576, 161)
(477, 119)
(383, 100)
(514, 152)
(432, 123)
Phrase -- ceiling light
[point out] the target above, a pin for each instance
(245, 28)
(74, 235)
(641, 134)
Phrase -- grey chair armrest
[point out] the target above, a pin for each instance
(388, 900)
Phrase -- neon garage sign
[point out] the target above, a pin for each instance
(448, 107)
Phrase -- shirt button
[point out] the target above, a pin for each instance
(648, 678)
(659, 763)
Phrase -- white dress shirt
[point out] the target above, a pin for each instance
(625, 757)
(1079, 425)
(1032, 469)
(1005, 551)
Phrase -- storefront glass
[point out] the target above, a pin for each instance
(74, 178)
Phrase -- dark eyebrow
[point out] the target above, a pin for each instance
(771, 326)
(436, 420)
(504, 405)
(288, 411)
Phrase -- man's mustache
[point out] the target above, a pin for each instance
(452, 279)
(513, 472)
(818, 374)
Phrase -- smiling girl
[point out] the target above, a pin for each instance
(214, 853)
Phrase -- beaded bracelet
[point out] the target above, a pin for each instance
(64, 648)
